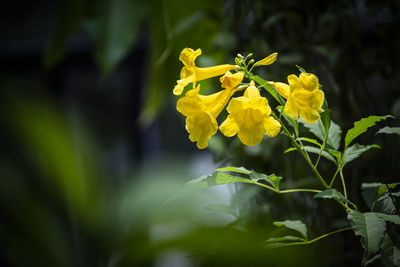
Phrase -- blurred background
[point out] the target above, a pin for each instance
(94, 154)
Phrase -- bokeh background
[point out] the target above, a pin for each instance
(94, 154)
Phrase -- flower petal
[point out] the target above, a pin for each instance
(250, 137)
(291, 109)
(230, 80)
(229, 127)
(188, 56)
(309, 115)
(267, 60)
(200, 128)
(271, 126)
(309, 81)
(282, 88)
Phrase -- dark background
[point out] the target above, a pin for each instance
(92, 145)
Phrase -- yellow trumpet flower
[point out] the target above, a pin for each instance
(304, 99)
(202, 111)
(191, 74)
(249, 118)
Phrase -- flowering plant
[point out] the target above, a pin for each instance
(301, 101)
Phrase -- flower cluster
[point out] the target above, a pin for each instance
(249, 116)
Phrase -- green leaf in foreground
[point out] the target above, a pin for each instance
(355, 151)
(297, 226)
(371, 228)
(389, 130)
(219, 177)
(333, 193)
(362, 126)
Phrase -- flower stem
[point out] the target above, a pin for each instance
(317, 238)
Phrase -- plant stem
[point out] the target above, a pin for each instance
(317, 238)
(299, 190)
(306, 157)
(320, 152)
(334, 176)
(343, 183)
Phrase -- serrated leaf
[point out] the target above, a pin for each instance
(336, 154)
(297, 226)
(234, 169)
(254, 176)
(333, 193)
(390, 251)
(362, 126)
(309, 140)
(390, 218)
(334, 134)
(325, 117)
(389, 130)
(370, 193)
(371, 228)
(315, 150)
(355, 151)
(272, 179)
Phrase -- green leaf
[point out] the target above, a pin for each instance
(219, 177)
(115, 28)
(390, 250)
(333, 193)
(370, 193)
(70, 16)
(223, 209)
(289, 150)
(300, 69)
(234, 169)
(355, 151)
(336, 154)
(270, 89)
(362, 126)
(297, 226)
(371, 228)
(272, 179)
(389, 130)
(334, 134)
(325, 117)
(390, 218)
(309, 140)
(315, 150)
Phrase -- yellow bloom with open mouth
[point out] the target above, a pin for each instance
(249, 118)
(304, 99)
(201, 111)
(191, 74)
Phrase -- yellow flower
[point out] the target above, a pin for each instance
(267, 60)
(201, 111)
(304, 99)
(249, 118)
(191, 74)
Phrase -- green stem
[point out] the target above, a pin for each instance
(343, 183)
(334, 176)
(320, 152)
(317, 238)
(306, 157)
(299, 190)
